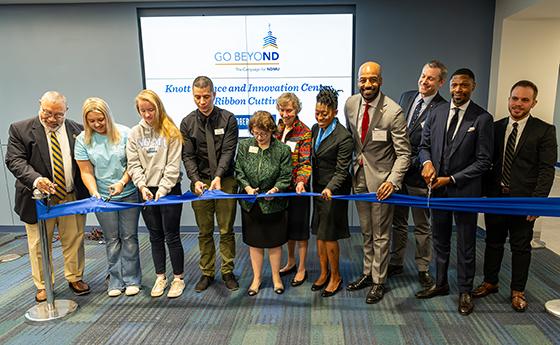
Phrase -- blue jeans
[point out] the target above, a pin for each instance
(120, 230)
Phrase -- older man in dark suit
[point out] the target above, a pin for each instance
(417, 105)
(524, 159)
(456, 150)
(40, 156)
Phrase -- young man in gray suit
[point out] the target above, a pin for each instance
(381, 159)
(417, 105)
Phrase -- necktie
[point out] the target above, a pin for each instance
(212, 160)
(416, 113)
(452, 126)
(508, 156)
(58, 167)
(365, 123)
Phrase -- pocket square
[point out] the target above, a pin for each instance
(471, 129)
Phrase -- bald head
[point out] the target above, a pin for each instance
(369, 80)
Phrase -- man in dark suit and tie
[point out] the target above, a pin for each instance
(40, 155)
(524, 158)
(456, 150)
(417, 105)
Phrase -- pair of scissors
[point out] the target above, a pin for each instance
(429, 194)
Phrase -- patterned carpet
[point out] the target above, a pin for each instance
(299, 316)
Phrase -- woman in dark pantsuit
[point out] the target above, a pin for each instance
(330, 160)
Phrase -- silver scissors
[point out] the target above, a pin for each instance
(429, 194)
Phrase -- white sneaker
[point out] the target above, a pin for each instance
(159, 286)
(114, 292)
(176, 289)
(132, 290)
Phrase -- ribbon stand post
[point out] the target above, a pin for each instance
(51, 309)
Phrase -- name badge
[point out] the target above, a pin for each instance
(292, 145)
(253, 149)
(379, 135)
(219, 131)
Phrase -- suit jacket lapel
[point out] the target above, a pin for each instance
(38, 132)
(327, 142)
(524, 135)
(376, 117)
(468, 120)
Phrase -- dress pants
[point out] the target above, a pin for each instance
(224, 210)
(422, 231)
(71, 231)
(442, 228)
(520, 232)
(375, 223)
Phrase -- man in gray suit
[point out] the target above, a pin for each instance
(381, 159)
(417, 105)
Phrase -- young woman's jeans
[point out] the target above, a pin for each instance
(120, 230)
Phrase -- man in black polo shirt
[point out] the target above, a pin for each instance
(210, 134)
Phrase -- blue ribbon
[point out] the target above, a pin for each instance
(513, 206)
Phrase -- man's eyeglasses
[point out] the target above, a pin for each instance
(48, 114)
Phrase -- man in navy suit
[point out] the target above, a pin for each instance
(456, 150)
(524, 159)
(417, 105)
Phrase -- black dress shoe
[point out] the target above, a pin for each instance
(393, 270)
(375, 294)
(362, 282)
(327, 293)
(279, 290)
(292, 269)
(433, 291)
(466, 304)
(295, 282)
(425, 279)
(317, 287)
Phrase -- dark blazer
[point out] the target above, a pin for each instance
(532, 169)
(331, 163)
(471, 153)
(413, 176)
(28, 158)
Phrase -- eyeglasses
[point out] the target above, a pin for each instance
(48, 114)
(261, 134)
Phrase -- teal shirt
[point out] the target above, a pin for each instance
(264, 169)
(108, 160)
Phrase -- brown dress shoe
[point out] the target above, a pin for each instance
(79, 287)
(484, 289)
(41, 295)
(518, 301)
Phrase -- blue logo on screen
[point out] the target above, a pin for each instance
(262, 58)
(269, 40)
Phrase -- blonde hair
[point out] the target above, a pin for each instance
(95, 104)
(286, 98)
(162, 124)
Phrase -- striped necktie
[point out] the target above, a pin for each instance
(58, 167)
(508, 156)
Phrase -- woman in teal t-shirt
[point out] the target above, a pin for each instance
(100, 152)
